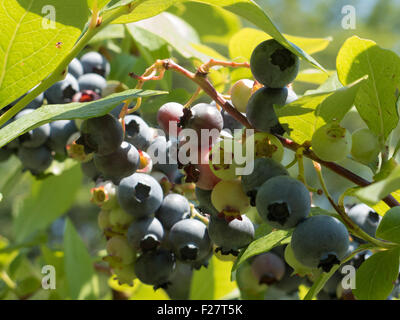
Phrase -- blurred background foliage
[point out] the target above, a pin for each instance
(376, 19)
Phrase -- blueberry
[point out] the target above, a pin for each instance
(92, 81)
(169, 112)
(35, 137)
(290, 282)
(204, 199)
(230, 122)
(268, 268)
(119, 164)
(189, 240)
(231, 236)
(102, 135)
(159, 151)
(260, 109)
(60, 132)
(37, 160)
(320, 241)
(137, 132)
(247, 282)
(140, 195)
(181, 280)
(283, 202)
(264, 169)
(89, 170)
(75, 68)
(86, 96)
(365, 217)
(173, 209)
(155, 268)
(145, 234)
(94, 62)
(273, 65)
(62, 91)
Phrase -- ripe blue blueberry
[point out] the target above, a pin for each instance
(181, 280)
(94, 62)
(264, 169)
(320, 242)
(36, 160)
(231, 236)
(75, 68)
(283, 202)
(119, 164)
(89, 170)
(35, 137)
(159, 151)
(155, 268)
(102, 135)
(60, 132)
(189, 240)
(62, 91)
(137, 132)
(174, 208)
(92, 81)
(273, 65)
(260, 109)
(140, 195)
(145, 234)
(365, 217)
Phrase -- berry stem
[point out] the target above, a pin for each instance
(200, 77)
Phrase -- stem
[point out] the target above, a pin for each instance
(59, 73)
(200, 78)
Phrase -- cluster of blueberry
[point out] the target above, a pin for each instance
(37, 148)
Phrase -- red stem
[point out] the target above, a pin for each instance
(201, 79)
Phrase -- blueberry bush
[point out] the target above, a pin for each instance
(105, 194)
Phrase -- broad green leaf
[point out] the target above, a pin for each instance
(48, 200)
(375, 192)
(112, 31)
(243, 43)
(246, 9)
(145, 38)
(306, 114)
(69, 111)
(99, 4)
(376, 276)
(30, 52)
(389, 227)
(219, 26)
(213, 282)
(263, 244)
(10, 173)
(82, 281)
(6, 257)
(203, 283)
(180, 39)
(262, 230)
(299, 119)
(208, 51)
(377, 97)
(313, 76)
(223, 285)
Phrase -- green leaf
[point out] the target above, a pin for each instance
(29, 51)
(313, 76)
(180, 39)
(375, 192)
(306, 114)
(243, 43)
(81, 278)
(112, 31)
(219, 26)
(48, 200)
(69, 111)
(213, 282)
(263, 244)
(99, 3)
(376, 276)
(377, 97)
(247, 9)
(389, 227)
